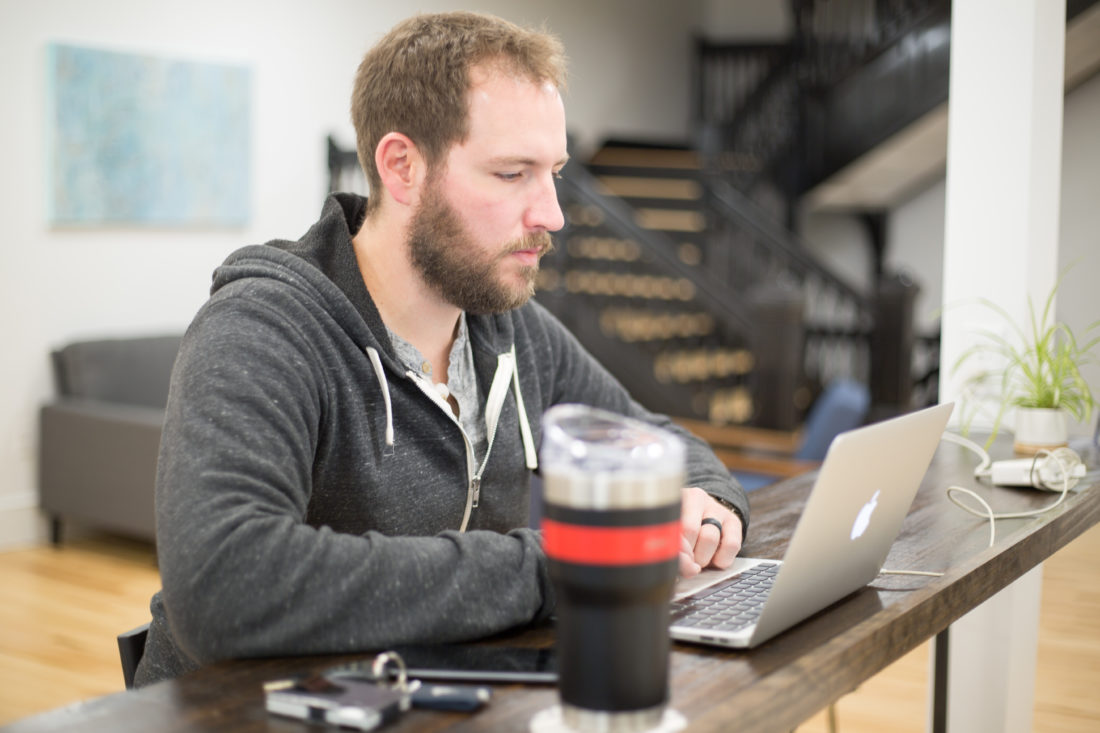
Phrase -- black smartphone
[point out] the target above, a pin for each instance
(479, 663)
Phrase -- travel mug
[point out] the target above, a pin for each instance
(611, 532)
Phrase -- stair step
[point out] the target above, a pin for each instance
(646, 157)
(677, 189)
(745, 438)
(702, 365)
(642, 171)
(626, 285)
(671, 220)
(615, 249)
(642, 324)
(726, 406)
(608, 249)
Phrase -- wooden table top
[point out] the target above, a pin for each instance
(771, 688)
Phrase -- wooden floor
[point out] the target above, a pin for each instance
(63, 607)
(61, 611)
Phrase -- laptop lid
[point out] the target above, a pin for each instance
(859, 500)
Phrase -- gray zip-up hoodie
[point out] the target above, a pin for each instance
(314, 496)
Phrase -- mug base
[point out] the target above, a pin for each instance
(655, 720)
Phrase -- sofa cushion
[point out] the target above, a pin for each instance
(132, 371)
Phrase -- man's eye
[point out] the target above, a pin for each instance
(509, 176)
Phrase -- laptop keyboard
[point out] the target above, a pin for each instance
(731, 605)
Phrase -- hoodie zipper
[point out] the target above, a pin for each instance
(494, 404)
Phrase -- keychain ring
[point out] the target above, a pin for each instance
(386, 659)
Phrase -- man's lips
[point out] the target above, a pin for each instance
(528, 256)
(529, 250)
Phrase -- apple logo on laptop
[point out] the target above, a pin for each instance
(863, 519)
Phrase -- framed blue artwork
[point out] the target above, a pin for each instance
(138, 140)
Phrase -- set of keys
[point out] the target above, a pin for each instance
(364, 696)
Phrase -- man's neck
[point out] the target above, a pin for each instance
(407, 305)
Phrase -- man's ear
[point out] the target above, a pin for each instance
(400, 166)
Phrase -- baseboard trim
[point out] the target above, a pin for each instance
(21, 522)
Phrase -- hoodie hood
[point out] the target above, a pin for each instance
(322, 267)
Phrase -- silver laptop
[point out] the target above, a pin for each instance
(860, 498)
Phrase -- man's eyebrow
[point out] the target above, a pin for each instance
(520, 160)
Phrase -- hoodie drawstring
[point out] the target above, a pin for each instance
(506, 372)
(380, 373)
(529, 453)
(524, 427)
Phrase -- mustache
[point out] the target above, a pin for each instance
(541, 242)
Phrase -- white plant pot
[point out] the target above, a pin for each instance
(1039, 428)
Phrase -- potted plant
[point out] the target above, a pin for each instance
(1037, 371)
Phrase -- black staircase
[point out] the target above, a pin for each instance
(628, 280)
(693, 296)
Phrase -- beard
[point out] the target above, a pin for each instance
(451, 262)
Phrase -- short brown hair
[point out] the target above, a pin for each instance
(415, 80)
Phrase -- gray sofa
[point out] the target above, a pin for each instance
(98, 440)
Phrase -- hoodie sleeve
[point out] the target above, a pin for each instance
(576, 376)
(243, 572)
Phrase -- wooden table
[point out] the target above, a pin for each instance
(772, 688)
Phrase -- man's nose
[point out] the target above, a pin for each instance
(545, 212)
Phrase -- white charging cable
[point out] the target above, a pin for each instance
(1060, 467)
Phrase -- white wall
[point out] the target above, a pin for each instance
(746, 20)
(843, 243)
(630, 66)
(914, 234)
(1079, 225)
(630, 63)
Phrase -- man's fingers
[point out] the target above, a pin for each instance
(731, 543)
(688, 567)
(707, 544)
(702, 543)
(691, 513)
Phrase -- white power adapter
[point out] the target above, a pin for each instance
(1041, 472)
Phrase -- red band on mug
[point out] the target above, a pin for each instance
(587, 545)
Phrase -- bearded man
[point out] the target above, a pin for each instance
(353, 419)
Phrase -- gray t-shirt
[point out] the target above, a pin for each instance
(461, 383)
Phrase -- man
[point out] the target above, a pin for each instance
(353, 418)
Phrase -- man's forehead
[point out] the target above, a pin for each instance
(509, 112)
(485, 73)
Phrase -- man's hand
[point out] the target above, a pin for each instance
(702, 545)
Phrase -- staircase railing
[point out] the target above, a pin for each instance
(676, 336)
(733, 208)
(770, 141)
(577, 184)
(753, 248)
(752, 133)
(801, 323)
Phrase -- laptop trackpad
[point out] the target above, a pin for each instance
(685, 586)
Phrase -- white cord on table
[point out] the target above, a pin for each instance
(1062, 456)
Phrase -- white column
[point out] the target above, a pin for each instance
(991, 662)
(1001, 243)
(1004, 149)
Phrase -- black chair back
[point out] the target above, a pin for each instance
(131, 647)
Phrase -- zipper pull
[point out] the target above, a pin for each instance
(475, 489)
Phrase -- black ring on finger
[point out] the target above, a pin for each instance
(714, 523)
